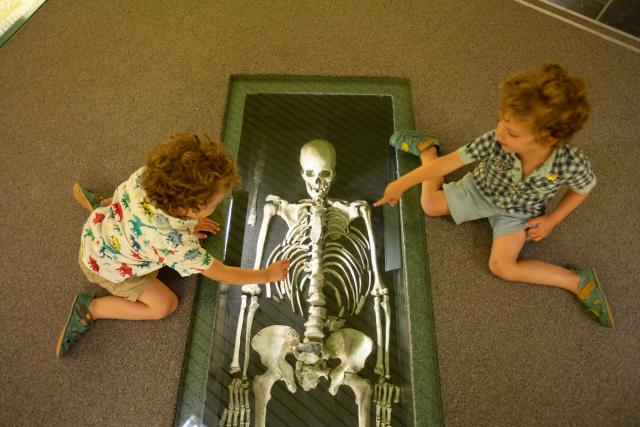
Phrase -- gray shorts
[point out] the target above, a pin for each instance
(467, 203)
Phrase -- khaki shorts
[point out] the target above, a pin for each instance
(130, 289)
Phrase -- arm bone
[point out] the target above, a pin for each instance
(268, 211)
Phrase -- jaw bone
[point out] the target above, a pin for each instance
(273, 344)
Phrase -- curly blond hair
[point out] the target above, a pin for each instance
(186, 171)
(549, 100)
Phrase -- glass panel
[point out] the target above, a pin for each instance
(358, 126)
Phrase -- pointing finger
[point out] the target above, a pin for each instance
(380, 202)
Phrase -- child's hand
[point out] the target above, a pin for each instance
(392, 194)
(206, 224)
(278, 270)
(540, 227)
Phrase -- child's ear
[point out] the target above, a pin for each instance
(551, 141)
(547, 140)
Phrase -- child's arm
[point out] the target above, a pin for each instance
(566, 205)
(433, 169)
(541, 226)
(244, 276)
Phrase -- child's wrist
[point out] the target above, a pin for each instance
(555, 219)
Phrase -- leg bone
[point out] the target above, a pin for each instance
(362, 389)
(272, 343)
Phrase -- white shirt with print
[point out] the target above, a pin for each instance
(131, 237)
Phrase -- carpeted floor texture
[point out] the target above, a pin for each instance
(86, 88)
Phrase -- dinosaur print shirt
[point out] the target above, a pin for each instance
(131, 237)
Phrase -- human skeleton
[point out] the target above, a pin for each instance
(316, 228)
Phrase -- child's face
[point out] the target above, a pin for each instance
(515, 136)
(210, 207)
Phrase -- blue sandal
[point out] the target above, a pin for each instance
(89, 200)
(413, 142)
(78, 322)
(592, 296)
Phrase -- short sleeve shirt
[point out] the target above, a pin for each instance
(499, 175)
(131, 237)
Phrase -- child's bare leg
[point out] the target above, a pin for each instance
(504, 263)
(432, 198)
(157, 302)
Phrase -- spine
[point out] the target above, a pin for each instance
(317, 313)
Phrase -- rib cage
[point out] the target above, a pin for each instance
(345, 263)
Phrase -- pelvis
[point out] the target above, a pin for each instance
(275, 342)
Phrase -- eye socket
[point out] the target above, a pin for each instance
(322, 174)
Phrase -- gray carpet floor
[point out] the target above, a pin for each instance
(87, 87)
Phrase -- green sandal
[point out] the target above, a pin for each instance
(89, 200)
(78, 322)
(413, 142)
(592, 296)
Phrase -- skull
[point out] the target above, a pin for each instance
(318, 161)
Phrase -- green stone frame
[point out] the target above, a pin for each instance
(19, 23)
(427, 406)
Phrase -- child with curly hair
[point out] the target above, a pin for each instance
(155, 219)
(524, 162)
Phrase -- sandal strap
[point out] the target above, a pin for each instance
(587, 291)
(80, 319)
(413, 142)
(592, 295)
(93, 198)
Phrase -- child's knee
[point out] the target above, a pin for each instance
(432, 205)
(165, 307)
(500, 268)
(429, 211)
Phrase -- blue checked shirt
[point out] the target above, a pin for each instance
(499, 175)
